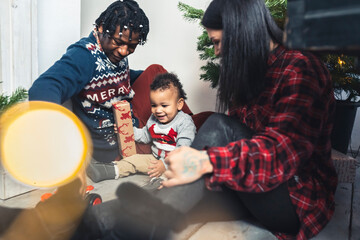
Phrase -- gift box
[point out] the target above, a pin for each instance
(124, 126)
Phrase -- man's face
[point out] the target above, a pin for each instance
(117, 47)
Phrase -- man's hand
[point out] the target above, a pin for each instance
(186, 165)
(156, 169)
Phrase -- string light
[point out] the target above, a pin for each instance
(341, 62)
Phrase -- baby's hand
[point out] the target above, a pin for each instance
(157, 168)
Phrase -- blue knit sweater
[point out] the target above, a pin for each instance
(86, 75)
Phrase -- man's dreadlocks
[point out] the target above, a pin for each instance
(126, 14)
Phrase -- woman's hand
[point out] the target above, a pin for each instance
(157, 168)
(186, 165)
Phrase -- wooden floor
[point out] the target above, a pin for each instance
(345, 224)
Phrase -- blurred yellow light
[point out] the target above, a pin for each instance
(43, 144)
(341, 62)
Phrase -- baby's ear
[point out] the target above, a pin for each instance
(180, 103)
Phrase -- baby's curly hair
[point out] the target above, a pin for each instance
(165, 80)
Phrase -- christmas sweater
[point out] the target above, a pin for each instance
(94, 83)
(166, 137)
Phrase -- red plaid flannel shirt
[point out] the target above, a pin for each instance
(292, 119)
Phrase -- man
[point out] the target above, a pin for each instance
(94, 73)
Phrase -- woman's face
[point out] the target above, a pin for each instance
(215, 36)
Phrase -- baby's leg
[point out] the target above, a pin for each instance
(133, 164)
(98, 171)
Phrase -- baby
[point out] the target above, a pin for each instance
(167, 128)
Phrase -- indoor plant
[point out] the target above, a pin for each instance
(6, 101)
(346, 81)
(345, 76)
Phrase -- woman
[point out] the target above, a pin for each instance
(273, 152)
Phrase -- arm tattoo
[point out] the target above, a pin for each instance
(192, 164)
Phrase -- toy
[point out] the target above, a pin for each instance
(91, 198)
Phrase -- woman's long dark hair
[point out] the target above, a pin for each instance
(247, 30)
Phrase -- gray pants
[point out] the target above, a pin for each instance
(273, 209)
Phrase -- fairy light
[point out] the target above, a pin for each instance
(341, 62)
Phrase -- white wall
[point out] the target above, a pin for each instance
(58, 27)
(171, 43)
(18, 44)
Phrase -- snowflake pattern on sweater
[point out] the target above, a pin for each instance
(110, 84)
(86, 75)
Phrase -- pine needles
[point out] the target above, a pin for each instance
(19, 95)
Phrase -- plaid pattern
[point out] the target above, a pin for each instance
(292, 119)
